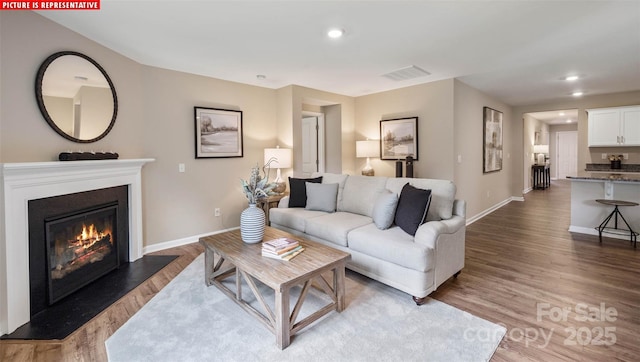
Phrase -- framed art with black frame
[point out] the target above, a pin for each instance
(492, 144)
(218, 133)
(399, 138)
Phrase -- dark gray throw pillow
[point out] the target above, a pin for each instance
(412, 208)
(298, 190)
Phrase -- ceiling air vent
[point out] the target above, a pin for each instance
(405, 73)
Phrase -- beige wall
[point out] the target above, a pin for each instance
(182, 204)
(481, 191)
(25, 134)
(432, 103)
(61, 110)
(290, 106)
(155, 120)
(449, 124)
(585, 154)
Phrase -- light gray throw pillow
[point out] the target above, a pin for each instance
(384, 209)
(321, 197)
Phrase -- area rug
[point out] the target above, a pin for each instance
(188, 321)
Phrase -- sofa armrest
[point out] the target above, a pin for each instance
(429, 232)
(284, 202)
(460, 208)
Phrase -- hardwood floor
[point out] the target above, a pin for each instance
(523, 269)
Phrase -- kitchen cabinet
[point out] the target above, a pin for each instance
(613, 127)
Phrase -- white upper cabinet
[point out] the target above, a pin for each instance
(619, 126)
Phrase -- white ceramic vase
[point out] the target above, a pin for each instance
(252, 224)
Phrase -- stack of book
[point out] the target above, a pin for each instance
(281, 248)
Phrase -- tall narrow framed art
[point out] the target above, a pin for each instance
(492, 144)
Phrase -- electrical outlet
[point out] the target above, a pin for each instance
(604, 156)
(181, 167)
(216, 212)
(625, 156)
(488, 194)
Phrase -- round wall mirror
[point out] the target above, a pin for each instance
(76, 97)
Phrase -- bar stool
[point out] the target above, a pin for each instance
(633, 236)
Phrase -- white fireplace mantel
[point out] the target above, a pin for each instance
(35, 180)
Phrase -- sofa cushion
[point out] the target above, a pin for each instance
(321, 197)
(360, 192)
(333, 178)
(298, 190)
(443, 193)
(335, 227)
(292, 218)
(392, 245)
(412, 208)
(384, 209)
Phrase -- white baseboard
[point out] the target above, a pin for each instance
(593, 231)
(493, 208)
(179, 242)
(527, 190)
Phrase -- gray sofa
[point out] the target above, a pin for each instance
(416, 264)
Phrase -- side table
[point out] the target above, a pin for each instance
(541, 177)
(266, 203)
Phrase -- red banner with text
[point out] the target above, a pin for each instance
(50, 5)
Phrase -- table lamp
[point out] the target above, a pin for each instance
(542, 151)
(280, 158)
(368, 149)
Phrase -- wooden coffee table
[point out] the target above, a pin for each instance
(226, 255)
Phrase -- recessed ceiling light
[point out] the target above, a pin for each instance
(568, 121)
(577, 94)
(335, 33)
(561, 113)
(571, 78)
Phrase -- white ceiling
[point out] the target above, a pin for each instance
(516, 51)
(563, 116)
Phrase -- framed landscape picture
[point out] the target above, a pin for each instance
(492, 145)
(218, 132)
(399, 139)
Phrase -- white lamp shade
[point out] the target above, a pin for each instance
(282, 157)
(541, 149)
(367, 149)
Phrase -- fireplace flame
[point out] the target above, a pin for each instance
(90, 235)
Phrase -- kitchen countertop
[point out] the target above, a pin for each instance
(606, 167)
(601, 176)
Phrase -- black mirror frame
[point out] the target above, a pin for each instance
(43, 108)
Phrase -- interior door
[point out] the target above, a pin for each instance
(309, 146)
(567, 154)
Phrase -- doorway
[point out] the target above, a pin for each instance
(558, 130)
(566, 154)
(313, 155)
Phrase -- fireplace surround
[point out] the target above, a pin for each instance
(23, 182)
(73, 240)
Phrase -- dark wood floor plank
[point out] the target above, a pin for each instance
(516, 257)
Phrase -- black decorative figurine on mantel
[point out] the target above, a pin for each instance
(84, 156)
